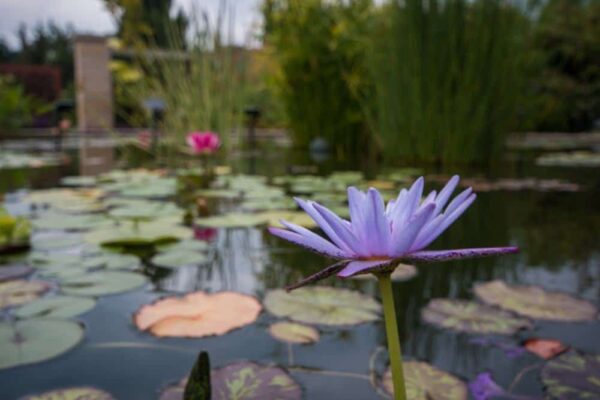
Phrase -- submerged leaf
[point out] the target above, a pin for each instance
(535, 302)
(198, 314)
(38, 339)
(425, 382)
(291, 332)
(469, 316)
(323, 305)
(572, 376)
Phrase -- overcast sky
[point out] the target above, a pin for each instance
(90, 16)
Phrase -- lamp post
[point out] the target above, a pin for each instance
(156, 107)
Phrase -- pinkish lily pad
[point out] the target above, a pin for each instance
(469, 316)
(244, 381)
(14, 272)
(572, 376)
(535, 302)
(17, 292)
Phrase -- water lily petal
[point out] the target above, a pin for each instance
(458, 254)
(449, 220)
(358, 212)
(307, 242)
(309, 208)
(378, 234)
(318, 240)
(402, 239)
(317, 276)
(341, 229)
(446, 192)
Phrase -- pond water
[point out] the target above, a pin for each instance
(557, 231)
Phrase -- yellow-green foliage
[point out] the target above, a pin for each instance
(13, 230)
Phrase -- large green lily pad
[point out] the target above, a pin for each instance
(17, 292)
(102, 283)
(292, 332)
(296, 217)
(178, 258)
(323, 305)
(473, 317)
(572, 376)
(535, 302)
(112, 261)
(38, 339)
(244, 381)
(74, 393)
(425, 382)
(56, 307)
(139, 234)
(78, 181)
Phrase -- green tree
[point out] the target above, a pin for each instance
(148, 22)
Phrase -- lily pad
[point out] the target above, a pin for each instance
(535, 302)
(17, 292)
(140, 234)
(198, 314)
(145, 210)
(572, 376)
(403, 272)
(178, 258)
(426, 382)
(574, 159)
(112, 261)
(295, 217)
(69, 222)
(37, 339)
(78, 181)
(74, 393)
(472, 317)
(102, 283)
(232, 220)
(46, 242)
(56, 307)
(292, 332)
(14, 272)
(189, 245)
(219, 193)
(245, 381)
(323, 305)
(545, 348)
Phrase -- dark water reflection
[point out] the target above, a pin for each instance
(558, 235)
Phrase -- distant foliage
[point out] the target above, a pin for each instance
(320, 48)
(564, 81)
(16, 108)
(446, 77)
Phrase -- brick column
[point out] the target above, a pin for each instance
(93, 84)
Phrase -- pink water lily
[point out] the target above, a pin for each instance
(203, 142)
(379, 236)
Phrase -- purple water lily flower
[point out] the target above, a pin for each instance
(380, 236)
(483, 387)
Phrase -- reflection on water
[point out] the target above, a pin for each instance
(95, 157)
(557, 232)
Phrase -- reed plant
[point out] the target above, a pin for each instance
(446, 76)
(200, 81)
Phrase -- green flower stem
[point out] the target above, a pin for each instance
(393, 339)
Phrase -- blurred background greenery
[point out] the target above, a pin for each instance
(440, 81)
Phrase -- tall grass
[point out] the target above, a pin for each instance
(200, 81)
(446, 76)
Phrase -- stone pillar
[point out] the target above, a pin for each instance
(93, 84)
